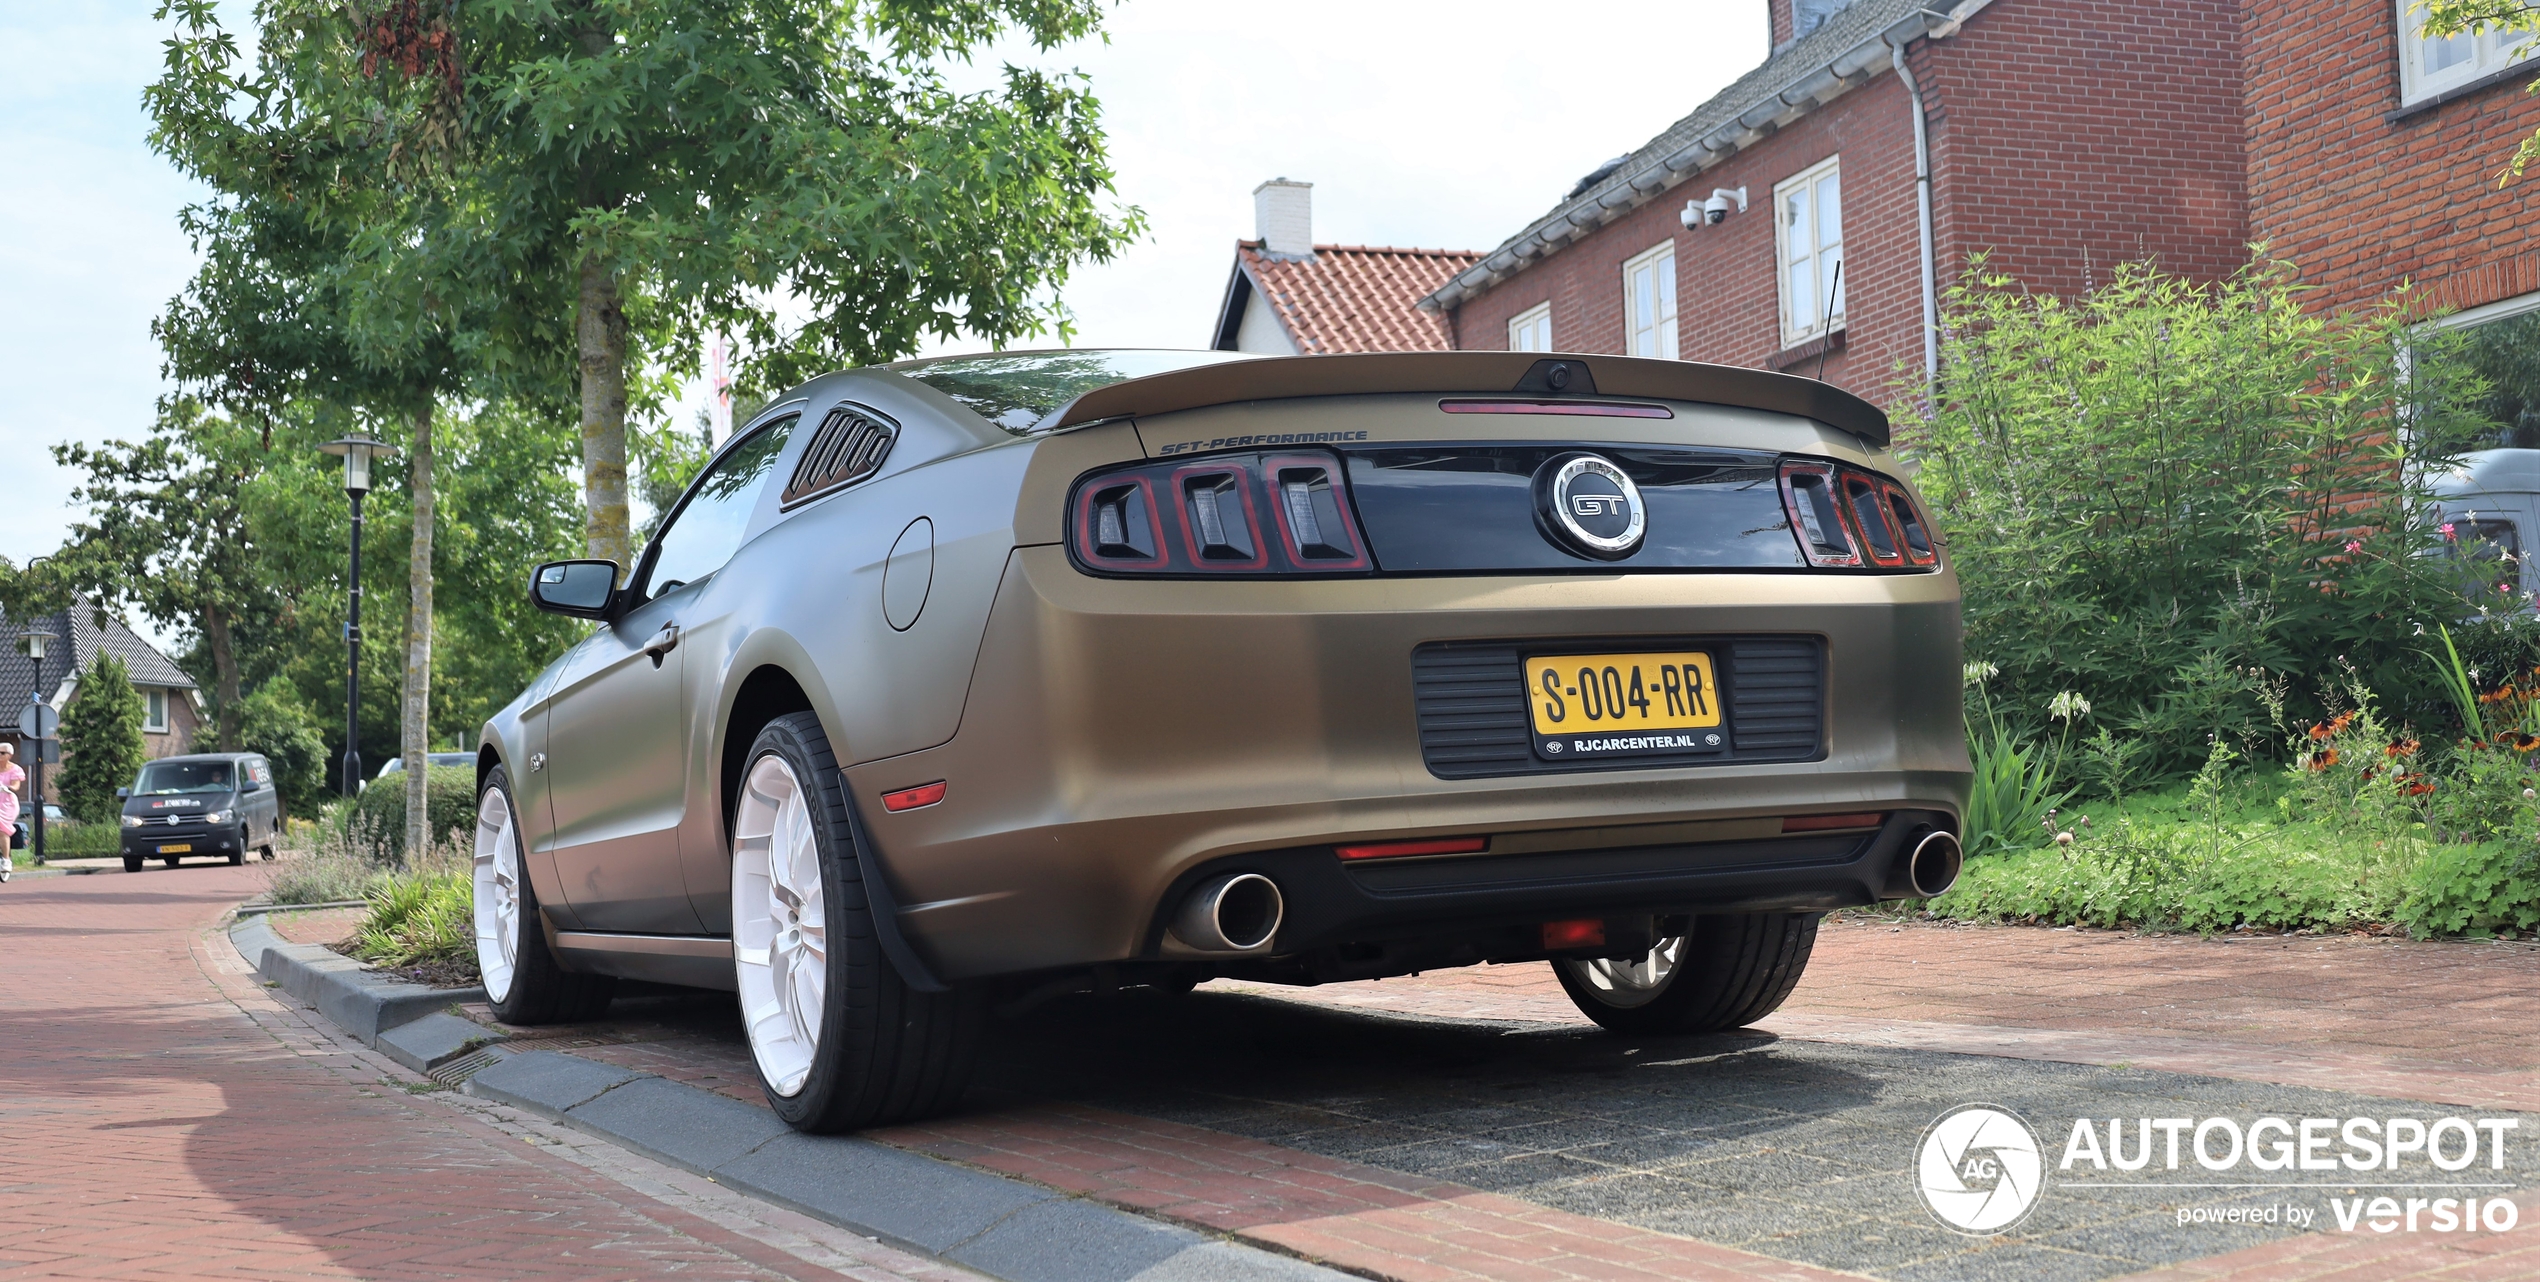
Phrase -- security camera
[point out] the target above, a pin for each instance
(1714, 211)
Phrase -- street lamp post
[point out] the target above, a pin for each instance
(357, 451)
(35, 645)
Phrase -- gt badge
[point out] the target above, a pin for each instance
(1587, 505)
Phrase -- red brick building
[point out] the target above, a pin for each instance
(2062, 136)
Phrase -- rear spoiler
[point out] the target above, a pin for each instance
(1285, 377)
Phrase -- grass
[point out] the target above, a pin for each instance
(423, 920)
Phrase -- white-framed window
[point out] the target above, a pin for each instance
(1531, 329)
(2428, 68)
(1649, 303)
(1808, 240)
(154, 719)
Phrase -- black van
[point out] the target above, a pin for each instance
(220, 803)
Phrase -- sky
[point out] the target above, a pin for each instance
(1442, 125)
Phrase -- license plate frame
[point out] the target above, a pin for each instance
(1671, 702)
(177, 848)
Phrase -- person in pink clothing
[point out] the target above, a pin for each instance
(12, 776)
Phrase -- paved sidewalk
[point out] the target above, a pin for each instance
(164, 1117)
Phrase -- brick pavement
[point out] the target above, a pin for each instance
(2444, 1022)
(2455, 1023)
(164, 1117)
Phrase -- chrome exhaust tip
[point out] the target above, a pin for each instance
(1933, 867)
(1237, 913)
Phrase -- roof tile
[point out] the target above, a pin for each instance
(1355, 298)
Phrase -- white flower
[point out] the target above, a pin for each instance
(1979, 672)
(2063, 839)
(2068, 707)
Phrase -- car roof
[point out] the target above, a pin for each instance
(2491, 472)
(1514, 373)
(208, 756)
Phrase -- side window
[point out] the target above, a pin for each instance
(1531, 331)
(2429, 67)
(707, 528)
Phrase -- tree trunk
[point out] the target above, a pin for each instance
(224, 674)
(600, 328)
(414, 731)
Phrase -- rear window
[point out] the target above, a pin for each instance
(170, 778)
(1016, 390)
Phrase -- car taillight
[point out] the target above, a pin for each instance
(1868, 509)
(1809, 491)
(1919, 547)
(1850, 519)
(1235, 514)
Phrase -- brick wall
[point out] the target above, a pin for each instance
(2362, 203)
(2070, 135)
(2067, 135)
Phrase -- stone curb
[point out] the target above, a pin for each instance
(998, 1226)
(397, 1019)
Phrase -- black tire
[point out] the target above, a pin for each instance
(887, 1052)
(266, 852)
(238, 856)
(542, 992)
(132, 863)
(1733, 970)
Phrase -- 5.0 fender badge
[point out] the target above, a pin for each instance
(1587, 505)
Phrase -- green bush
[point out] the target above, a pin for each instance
(80, 840)
(101, 742)
(2179, 500)
(2476, 888)
(274, 722)
(376, 821)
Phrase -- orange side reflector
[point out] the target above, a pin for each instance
(1435, 846)
(1587, 932)
(1819, 823)
(925, 794)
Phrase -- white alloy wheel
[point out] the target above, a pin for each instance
(780, 925)
(497, 893)
(1630, 983)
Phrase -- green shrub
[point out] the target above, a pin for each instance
(274, 722)
(420, 918)
(377, 819)
(80, 840)
(2014, 792)
(2174, 497)
(2475, 888)
(101, 742)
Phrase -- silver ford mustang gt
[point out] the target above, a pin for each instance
(1033, 671)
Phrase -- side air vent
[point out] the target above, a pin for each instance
(1471, 699)
(849, 447)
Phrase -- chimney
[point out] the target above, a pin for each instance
(1283, 218)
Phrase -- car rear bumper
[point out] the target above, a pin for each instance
(1122, 739)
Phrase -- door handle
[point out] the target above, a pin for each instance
(663, 642)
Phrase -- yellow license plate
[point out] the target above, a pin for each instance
(1600, 705)
(180, 848)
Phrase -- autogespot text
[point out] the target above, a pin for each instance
(2360, 1150)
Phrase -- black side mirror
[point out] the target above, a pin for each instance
(579, 589)
(123, 794)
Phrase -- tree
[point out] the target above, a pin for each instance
(101, 742)
(2475, 17)
(273, 722)
(167, 532)
(334, 265)
(676, 166)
